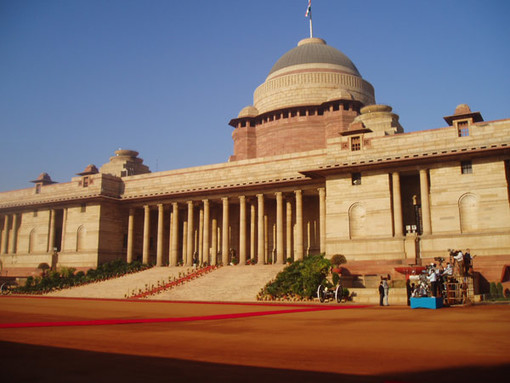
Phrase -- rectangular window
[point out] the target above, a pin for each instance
(466, 167)
(85, 182)
(35, 213)
(355, 143)
(463, 128)
(83, 208)
(356, 178)
(37, 188)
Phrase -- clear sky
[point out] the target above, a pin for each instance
(81, 78)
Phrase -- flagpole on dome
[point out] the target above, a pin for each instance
(309, 14)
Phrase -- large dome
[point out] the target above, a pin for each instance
(315, 51)
(311, 74)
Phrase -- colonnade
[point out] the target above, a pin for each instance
(215, 239)
(9, 234)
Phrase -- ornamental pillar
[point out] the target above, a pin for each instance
(288, 224)
(260, 230)
(214, 241)
(397, 206)
(224, 232)
(322, 220)
(5, 234)
(425, 206)
(279, 228)
(159, 245)
(14, 234)
(174, 235)
(131, 225)
(190, 236)
(299, 225)
(242, 230)
(146, 234)
(205, 239)
(51, 234)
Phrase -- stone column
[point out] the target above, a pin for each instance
(146, 234)
(214, 241)
(288, 224)
(206, 241)
(299, 225)
(242, 230)
(425, 207)
(174, 243)
(131, 226)
(260, 230)
(190, 236)
(14, 234)
(64, 229)
(252, 231)
(279, 228)
(51, 234)
(161, 231)
(201, 236)
(322, 220)
(266, 239)
(184, 241)
(4, 234)
(224, 232)
(397, 205)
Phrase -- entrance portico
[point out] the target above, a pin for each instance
(229, 229)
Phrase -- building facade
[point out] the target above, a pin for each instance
(317, 167)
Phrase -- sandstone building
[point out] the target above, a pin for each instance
(317, 166)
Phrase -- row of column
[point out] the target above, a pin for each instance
(208, 230)
(8, 244)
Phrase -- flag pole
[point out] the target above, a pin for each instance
(311, 27)
(309, 14)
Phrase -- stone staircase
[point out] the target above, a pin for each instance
(229, 284)
(118, 288)
(226, 284)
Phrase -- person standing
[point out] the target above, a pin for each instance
(386, 287)
(381, 293)
(432, 277)
(408, 291)
(466, 261)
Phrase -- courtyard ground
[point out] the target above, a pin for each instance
(92, 340)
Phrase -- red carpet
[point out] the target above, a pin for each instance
(102, 322)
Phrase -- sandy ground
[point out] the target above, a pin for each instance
(251, 343)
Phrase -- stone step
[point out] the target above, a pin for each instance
(118, 288)
(226, 284)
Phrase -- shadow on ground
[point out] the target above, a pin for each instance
(29, 363)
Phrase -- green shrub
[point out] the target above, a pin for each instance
(499, 290)
(336, 279)
(66, 276)
(300, 278)
(493, 292)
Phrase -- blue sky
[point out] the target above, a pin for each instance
(82, 78)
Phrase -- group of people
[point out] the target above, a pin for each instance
(432, 281)
(462, 261)
(384, 289)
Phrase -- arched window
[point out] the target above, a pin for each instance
(468, 212)
(81, 233)
(357, 218)
(31, 241)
